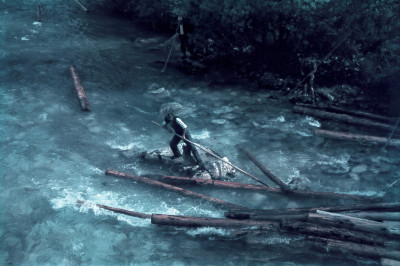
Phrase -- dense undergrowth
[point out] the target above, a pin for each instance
(355, 42)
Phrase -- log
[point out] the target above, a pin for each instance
(39, 13)
(355, 137)
(190, 221)
(376, 216)
(270, 175)
(340, 110)
(341, 117)
(260, 214)
(176, 180)
(348, 222)
(79, 89)
(357, 249)
(82, 6)
(311, 229)
(122, 211)
(179, 190)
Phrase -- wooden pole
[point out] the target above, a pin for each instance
(340, 117)
(216, 156)
(270, 175)
(341, 110)
(355, 137)
(79, 89)
(190, 221)
(175, 180)
(179, 190)
(357, 249)
(122, 211)
(260, 214)
(376, 216)
(82, 6)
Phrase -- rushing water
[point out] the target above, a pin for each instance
(53, 154)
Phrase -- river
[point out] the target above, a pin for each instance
(53, 154)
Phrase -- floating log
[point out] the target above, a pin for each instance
(79, 89)
(122, 211)
(82, 6)
(348, 222)
(355, 137)
(357, 249)
(190, 221)
(39, 13)
(341, 110)
(341, 117)
(270, 175)
(175, 180)
(260, 214)
(333, 233)
(376, 216)
(172, 188)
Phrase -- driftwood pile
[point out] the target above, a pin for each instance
(382, 123)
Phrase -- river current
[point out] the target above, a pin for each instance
(53, 154)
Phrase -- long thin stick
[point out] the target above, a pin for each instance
(170, 51)
(84, 8)
(122, 211)
(391, 134)
(216, 156)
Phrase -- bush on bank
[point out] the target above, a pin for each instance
(356, 42)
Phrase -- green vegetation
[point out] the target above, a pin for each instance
(261, 39)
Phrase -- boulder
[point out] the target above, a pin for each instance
(155, 91)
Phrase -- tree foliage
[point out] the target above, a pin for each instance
(355, 41)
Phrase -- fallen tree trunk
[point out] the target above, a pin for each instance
(122, 211)
(348, 222)
(260, 214)
(333, 233)
(79, 89)
(341, 117)
(355, 137)
(172, 188)
(340, 110)
(376, 216)
(270, 175)
(357, 249)
(175, 180)
(190, 221)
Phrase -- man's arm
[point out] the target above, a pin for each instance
(183, 125)
(165, 125)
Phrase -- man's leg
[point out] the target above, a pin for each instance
(193, 149)
(174, 146)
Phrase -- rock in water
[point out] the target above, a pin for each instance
(156, 91)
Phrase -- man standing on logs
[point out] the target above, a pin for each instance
(181, 132)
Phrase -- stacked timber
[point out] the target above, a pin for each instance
(361, 229)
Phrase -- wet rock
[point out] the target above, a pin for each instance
(359, 169)
(154, 90)
(355, 176)
(219, 121)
